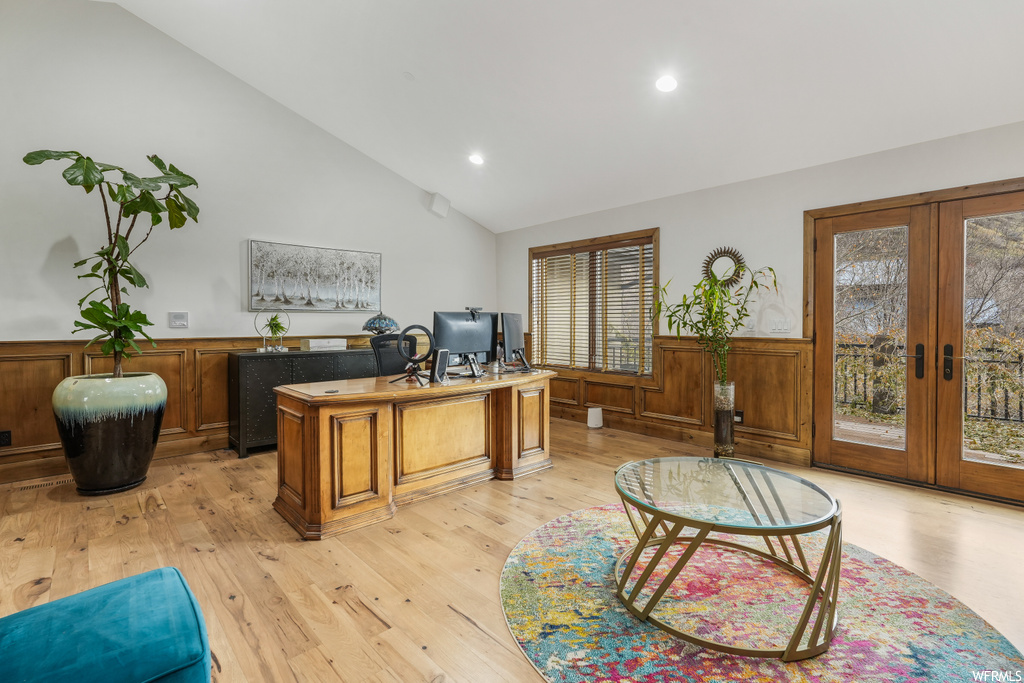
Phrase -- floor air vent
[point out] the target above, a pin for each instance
(46, 484)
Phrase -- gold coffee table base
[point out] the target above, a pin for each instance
(657, 528)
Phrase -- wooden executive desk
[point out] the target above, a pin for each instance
(348, 459)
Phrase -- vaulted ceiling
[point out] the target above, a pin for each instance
(558, 96)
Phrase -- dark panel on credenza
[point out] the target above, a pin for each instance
(314, 369)
(257, 379)
(252, 404)
(354, 364)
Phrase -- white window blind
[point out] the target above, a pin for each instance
(590, 303)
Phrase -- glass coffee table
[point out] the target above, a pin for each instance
(664, 497)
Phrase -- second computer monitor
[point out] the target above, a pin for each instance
(464, 333)
(512, 336)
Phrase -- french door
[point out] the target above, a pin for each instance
(919, 343)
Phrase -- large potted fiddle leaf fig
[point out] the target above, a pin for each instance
(109, 423)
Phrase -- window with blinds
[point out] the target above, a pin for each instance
(590, 303)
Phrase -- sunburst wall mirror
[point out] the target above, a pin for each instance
(727, 264)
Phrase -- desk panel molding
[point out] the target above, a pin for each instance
(355, 470)
(533, 438)
(438, 437)
(388, 445)
(291, 471)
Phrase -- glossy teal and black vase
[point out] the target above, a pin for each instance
(109, 427)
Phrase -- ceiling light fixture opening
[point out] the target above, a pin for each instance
(666, 84)
(476, 159)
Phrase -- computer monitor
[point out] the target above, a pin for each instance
(466, 333)
(513, 341)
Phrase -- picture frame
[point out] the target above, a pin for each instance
(293, 277)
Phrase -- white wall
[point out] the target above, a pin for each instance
(763, 218)
(91, 77)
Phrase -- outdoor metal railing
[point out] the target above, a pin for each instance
(854, 374)
(993, 387)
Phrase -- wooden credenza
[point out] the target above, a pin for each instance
(349, 452)
(252, 409)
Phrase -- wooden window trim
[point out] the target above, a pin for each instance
(625, 239)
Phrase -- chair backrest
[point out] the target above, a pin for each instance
(385, 349)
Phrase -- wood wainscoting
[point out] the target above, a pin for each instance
(773, 389)
(195, 371)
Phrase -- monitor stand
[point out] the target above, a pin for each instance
(475, 370)
(474, 366)
(500, 367)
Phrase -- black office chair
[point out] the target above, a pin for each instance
(385, 349)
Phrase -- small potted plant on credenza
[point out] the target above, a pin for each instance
(109, 423)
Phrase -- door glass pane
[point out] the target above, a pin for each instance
(870, 336)
(993, 344)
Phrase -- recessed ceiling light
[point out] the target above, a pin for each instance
(476, 159)
(665, 84)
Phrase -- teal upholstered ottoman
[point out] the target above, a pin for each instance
(143, 628)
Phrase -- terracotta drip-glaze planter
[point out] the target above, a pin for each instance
(109, 428)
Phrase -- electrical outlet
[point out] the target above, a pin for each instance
(5, 438)
(737, 417)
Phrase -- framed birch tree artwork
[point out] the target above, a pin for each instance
(290, 277)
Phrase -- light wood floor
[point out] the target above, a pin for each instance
(416, 598)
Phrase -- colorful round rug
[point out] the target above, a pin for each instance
(558, 593)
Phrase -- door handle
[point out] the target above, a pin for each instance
(947, 362)
(918, 360)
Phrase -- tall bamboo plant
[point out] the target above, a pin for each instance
(109, 315)
(714, 312)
